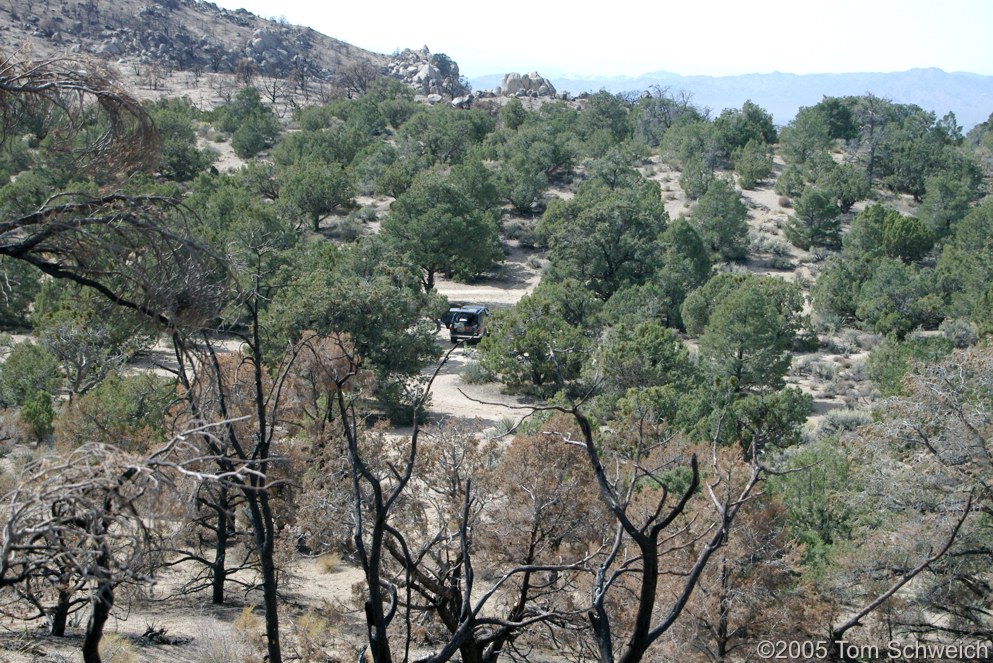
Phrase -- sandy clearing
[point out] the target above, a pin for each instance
(451, 396)
(501, 288)
(516, 276)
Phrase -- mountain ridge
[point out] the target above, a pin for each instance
(968, 95)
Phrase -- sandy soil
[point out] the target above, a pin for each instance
(516, 276)
(197, 631)
(502, 288)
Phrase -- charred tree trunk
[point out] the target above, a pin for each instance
(723, 621)
(219, 567)
(471, 651)
(265, 536)
(377, 620)
(602, 634)
(101, 605)
(60, 615)
(641, 639)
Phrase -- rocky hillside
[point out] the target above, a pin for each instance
(184, 35)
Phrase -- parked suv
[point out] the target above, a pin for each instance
(466, 323)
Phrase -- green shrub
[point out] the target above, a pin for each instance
(474, 373)
(347, 229)
(752, 163)
(816, 222)
(38, 414)
(127, 411)
(791, 182)
(252, 137)
(961, 333)
(28, 369)
(780, 262)
(18, 287)
(396, 400)
(889, 362)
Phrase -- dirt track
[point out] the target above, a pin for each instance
(450, 395)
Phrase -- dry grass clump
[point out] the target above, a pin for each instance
(329, 562)
(250, 629)
(117, 649)
(220, 646)
(313, 637)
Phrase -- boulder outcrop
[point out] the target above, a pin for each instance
(428, 73)
(525, 85)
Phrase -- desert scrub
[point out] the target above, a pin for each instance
(367, 214)
(474, 373)
(838, 345)
(826, 322)
(761, 242)
(514, 229)
(862, 340)
(220, 646)
(348, 229)
(823, 370)
(779, 262)
(815, 368)
(842, 421)
(961, 333)
(857, 372)
(821, 253)
(503, 427)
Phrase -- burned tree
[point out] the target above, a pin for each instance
(647, 493)
(79, 527)
(489, 549)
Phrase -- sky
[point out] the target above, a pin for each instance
(688, 37)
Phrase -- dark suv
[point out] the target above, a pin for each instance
(466, 323)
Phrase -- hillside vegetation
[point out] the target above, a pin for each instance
(747, 399)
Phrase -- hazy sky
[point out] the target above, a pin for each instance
(683, 36)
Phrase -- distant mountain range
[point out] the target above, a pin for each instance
(969, 96)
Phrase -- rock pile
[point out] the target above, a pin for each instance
(525, 85)
(430, 74)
